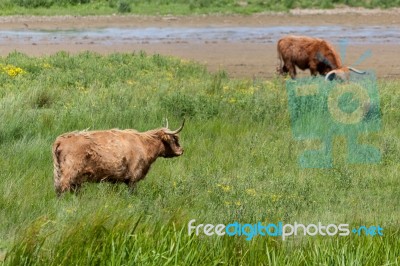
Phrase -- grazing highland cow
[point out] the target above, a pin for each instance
(311, 53)
(117, 156)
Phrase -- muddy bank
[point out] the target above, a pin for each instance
(251, 56)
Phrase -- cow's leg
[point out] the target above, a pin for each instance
(66, 182)
(135, 175)
(284, 70)
(62, 185)
(292, 71)
(131, 181)
(281, 69)
(132, 186)
(75, 187)
(290, 68)
(313, 69)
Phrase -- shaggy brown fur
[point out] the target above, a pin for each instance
(110, 155)
(306, 53)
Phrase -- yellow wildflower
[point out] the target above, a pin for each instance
(275, 198)
(232, 100)
(251, 192)
(225, 188)
(13, 71)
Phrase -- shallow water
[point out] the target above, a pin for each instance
(109, 36)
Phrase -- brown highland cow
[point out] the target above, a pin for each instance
(117, 156)
(311, 53)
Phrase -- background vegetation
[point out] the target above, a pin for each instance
(177, 7)
(240, 164)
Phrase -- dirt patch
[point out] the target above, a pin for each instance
(240, 59)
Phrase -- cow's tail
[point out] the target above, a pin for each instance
(279, 66)
(57, 167)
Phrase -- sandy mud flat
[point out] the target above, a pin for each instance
(245, 46)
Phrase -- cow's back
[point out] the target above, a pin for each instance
(98, 153)
(298, 49)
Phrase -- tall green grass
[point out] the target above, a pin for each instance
(176, 7)
(240, 164)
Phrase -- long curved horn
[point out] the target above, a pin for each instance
(331, 75)
(166, 122)
(169, 132)
(356, 70)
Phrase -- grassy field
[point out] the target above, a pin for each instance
(175, 7)
(240, 164)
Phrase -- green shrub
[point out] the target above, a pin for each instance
(34, 3)
(124, 7)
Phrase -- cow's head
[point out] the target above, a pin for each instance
(327, 62)
(170, 140)
(342, 74)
